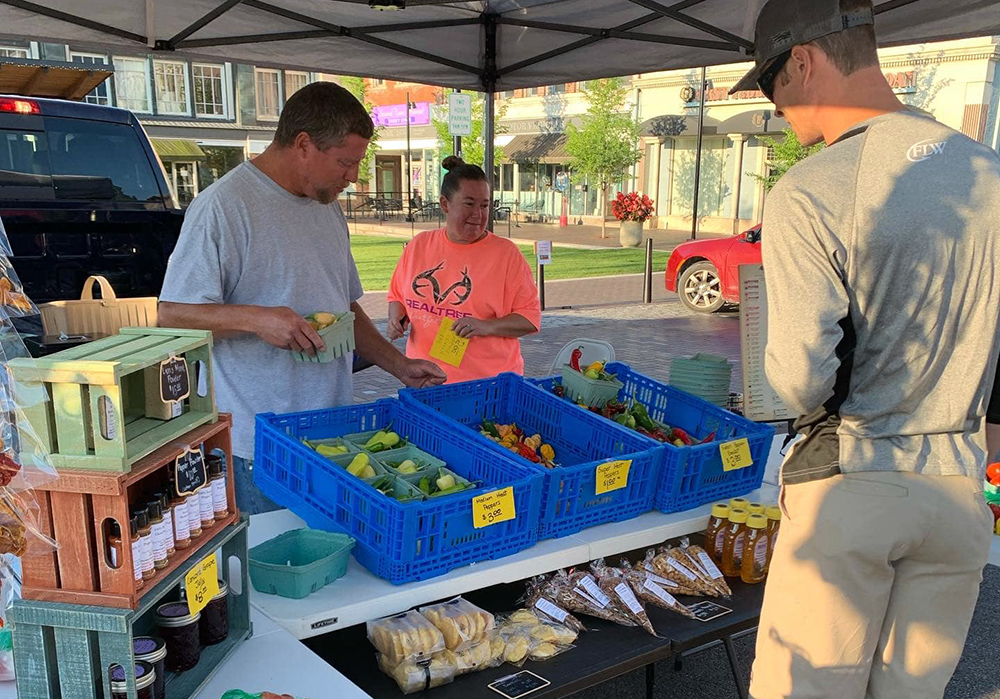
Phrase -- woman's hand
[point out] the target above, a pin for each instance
(473, 327)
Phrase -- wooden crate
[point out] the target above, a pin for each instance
(96, 415)
(64, 651)
(75, 509)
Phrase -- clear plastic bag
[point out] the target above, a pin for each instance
(649, 591)
(674, 564)
(473, 659)
(705, 566)
(416, 676)
(544, 607)
(405, 637)
(6, 600)
(611, 581)
(528, 637)
(20, 533)
(462, 623)
(13, 301)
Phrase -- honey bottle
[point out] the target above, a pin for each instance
(732, 547)
(773, 524)
(715, 534)
(739, 504)
(752, 567)
(755, 508)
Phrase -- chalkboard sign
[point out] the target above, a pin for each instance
(175, 384)
(518, 684)
(190, 472)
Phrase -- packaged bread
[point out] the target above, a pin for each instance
(416, 676)
(462, 623)
(408, 636)
(525, 636)
(473, 659)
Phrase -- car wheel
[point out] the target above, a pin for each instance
(700, 288)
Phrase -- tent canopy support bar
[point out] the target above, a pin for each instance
(892, 5)
(679, 16)
(620, 34)
(254, 38)
(73, 19)
(201, 22)
(433, 24)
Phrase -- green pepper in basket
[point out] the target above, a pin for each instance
(642, 418)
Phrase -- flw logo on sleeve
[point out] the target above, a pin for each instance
(923, 150)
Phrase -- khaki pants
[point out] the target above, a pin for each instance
(872, 587)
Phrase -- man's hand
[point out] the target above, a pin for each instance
(472, 327)
(397, 327)
(282, 327)
(418, 373)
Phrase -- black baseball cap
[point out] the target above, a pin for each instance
(783, 24)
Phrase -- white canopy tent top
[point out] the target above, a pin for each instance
(488, 46)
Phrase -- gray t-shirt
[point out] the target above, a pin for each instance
(248, 241)
(882, 256)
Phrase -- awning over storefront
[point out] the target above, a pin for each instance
(177, 149)
(537, 148)
(670, 125)
(69, 81)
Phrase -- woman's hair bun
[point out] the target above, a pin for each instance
(452, 162)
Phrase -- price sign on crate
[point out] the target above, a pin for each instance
(493, 508)
(189, 471)
(735, 455)
(612, 476)
(202, 584)
(175, 384)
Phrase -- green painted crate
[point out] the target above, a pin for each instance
(97, 388)
(66, 650)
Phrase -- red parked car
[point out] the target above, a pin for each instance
(706, 273)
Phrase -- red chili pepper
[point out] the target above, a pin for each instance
(527, 452)
(709, 438)
(574, 359)
(683, 436)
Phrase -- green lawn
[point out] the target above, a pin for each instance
(377, 256)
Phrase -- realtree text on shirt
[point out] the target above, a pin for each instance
(488, 279)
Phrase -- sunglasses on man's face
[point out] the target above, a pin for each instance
(770, 73)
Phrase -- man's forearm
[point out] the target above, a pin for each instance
(372, 346)
(222, 320)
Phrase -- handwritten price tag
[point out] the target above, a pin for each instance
(448, 347)
(735, 455)
(612, 476)
(493, 508)
(202, 584)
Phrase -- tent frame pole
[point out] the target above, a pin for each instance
(490, 24)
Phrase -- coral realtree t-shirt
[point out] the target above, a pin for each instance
(488, 279)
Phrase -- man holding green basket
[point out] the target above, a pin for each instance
(266, 246)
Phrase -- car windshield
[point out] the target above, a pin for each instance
(76, 159)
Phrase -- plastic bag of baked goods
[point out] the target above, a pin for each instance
(526, 636)
(407, 636)
(462, 623)
(476, 657)
(415, 676)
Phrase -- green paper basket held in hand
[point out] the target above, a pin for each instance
(338, 338)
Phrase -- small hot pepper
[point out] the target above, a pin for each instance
(574, 359)
(709, 438)
(682, 436)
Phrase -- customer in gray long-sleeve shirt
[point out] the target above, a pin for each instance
(881, 255)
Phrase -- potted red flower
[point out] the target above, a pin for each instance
(631, 210)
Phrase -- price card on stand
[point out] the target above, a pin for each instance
(612, 476)
(202, 584)
(735, 454)
(493, 508)
(175, 383)
(189, 471)
(448, 347)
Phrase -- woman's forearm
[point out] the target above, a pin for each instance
(513, 325)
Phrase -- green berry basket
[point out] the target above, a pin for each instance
(338, 338)
(414, 479)
(391, 459)
(298, 562)
(593, 392)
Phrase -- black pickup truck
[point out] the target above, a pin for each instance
(81, 193)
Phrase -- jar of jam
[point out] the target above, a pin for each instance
(217, 479)
(215, 617)
(180, 629)
(145, 676)
(152, 650)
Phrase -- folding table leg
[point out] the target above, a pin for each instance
(734, 665)
(650, 680)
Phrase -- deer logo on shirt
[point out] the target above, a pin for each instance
(427, 279)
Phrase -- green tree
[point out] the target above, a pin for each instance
(787, 152)
(474, 146)
(357, 87)
(606, 146)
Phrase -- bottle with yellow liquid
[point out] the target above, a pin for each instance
(734, 543)
(715, 534)
(754, 563)
(773, 524)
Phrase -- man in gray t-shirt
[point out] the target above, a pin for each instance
(881, 255)
(266, 245)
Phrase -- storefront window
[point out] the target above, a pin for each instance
(713, 189)
(102, 93)
(171, 87)
(209, 91)
(666, 172)
(132, 84)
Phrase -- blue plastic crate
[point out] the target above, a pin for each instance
(691, 476)
(582, 441)
(400, 542)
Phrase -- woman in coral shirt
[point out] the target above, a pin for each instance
(466, 275)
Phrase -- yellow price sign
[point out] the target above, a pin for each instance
(202, 584)
(612, 476)
(493, 508)
(735, 455)
(447, 346)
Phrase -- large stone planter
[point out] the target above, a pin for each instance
(630, 234)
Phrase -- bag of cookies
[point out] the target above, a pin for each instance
(415, 676)
(404, 637)
(462, 623)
